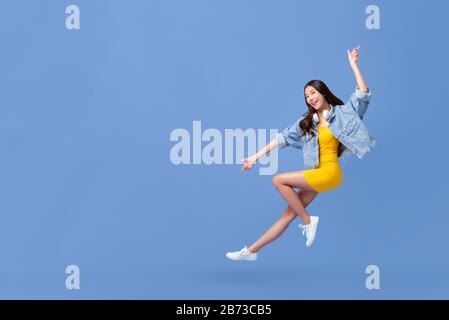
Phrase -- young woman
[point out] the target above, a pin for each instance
(328, 130)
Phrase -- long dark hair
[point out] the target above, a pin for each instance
(306, 123)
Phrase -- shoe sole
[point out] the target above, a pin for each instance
(251, 259)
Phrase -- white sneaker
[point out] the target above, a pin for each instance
(310, 230)
(243, 254)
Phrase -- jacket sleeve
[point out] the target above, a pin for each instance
(290, 136)
(359, 101)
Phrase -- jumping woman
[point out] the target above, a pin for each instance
(328, 130)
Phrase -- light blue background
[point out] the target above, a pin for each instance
(86, 177)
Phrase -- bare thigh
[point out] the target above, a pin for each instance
(293, 179)
(306, 198)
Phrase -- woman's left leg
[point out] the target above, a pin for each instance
(284, 221)
(285, 182)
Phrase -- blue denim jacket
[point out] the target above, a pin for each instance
(346, 124)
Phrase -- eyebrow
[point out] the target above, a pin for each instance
(311, 90)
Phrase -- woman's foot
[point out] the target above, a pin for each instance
(243, 254)
(310, 229)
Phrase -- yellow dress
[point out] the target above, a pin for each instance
(327, 175)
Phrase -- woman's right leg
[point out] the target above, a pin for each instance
(306, 197)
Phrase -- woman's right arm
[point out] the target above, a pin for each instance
(250, 161)
(290, 136)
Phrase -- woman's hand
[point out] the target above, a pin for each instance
(248, 162)
(353, 56)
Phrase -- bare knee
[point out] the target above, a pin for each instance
(277, 181)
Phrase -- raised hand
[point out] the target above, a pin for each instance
(353, 56)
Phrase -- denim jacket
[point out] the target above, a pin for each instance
(345, 123)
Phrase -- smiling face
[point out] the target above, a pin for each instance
(314, 98)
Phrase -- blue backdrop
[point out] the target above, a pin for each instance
(85, 170)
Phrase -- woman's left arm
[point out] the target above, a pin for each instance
(353, 58)
(359, 99)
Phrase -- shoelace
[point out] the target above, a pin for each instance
(305, 228)
(244, 251)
